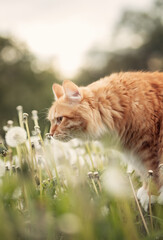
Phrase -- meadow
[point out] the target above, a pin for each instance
(69, 191)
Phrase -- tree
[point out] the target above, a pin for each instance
(21, 82)
(146, 54)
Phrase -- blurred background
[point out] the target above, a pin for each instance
(42, 42)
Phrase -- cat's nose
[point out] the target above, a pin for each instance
(52, 130)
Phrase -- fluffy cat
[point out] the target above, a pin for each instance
(130, 103)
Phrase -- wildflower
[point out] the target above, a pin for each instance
(17, 193)
(130, 169)
(15, 136)
(20, 115)
(34, 114)
(19, 108)
(104, 211)
(115, 182)
(10, 123)
(5, 128)
(37, 129)
(35, 142)
(25, 116)
(96, 175)
(48, 136)
(69, 223)
(90, 174)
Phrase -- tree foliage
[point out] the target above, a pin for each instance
(145, 55)
(21, 81)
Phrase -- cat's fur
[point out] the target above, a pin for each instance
(130, 103)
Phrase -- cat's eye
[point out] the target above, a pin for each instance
(59, 120)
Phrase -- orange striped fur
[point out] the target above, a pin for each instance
(131, 103)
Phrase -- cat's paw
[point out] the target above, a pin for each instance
(160, 197)
(142, 195)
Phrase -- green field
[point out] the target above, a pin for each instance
(76, 190)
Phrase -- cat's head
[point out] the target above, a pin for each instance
(64, 115)
(71, 114)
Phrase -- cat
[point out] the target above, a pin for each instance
(130, 103)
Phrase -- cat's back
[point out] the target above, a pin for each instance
(130, 83)
(134, 78)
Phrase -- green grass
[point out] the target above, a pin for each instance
(59, 191)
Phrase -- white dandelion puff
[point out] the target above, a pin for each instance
(104, 211)
(115, 182)
(19, 108)
(15, 136)
(69, 223)
(10, 123)
(35, 114)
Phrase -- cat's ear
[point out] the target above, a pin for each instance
(57, 90)
(71, 91)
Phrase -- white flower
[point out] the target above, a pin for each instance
(35, 140)
(2, 168)
(17, 193)
(104, 211)
(15, 136)
(69, 223)
(34, 114)
(115, 182)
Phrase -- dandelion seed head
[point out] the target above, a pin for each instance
(104, 211)
(90, 174)
(10, 123)
(19, 108)
(25, 116)
(34, 113)
(5, 128)
(35, 141)
(17, 193)
(37, 129)
(115, 182)
(48, 136)
(15, 136)
(69, 223)
(130, 169)
(96, 174)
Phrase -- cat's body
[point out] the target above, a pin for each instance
(129, 103)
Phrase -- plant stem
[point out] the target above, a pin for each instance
(94, 185)
(40, 173)
(90, 156)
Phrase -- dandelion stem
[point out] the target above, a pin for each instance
(29, 138)
(141, 214)
(94, 185)
(40, 173)
(90, 156)
(19, 154)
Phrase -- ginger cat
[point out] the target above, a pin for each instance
(131, 103)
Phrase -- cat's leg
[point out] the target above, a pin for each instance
(143, 196)
(160, 172)
(160, 167)
(150, 182)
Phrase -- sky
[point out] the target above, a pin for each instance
(62, 31)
